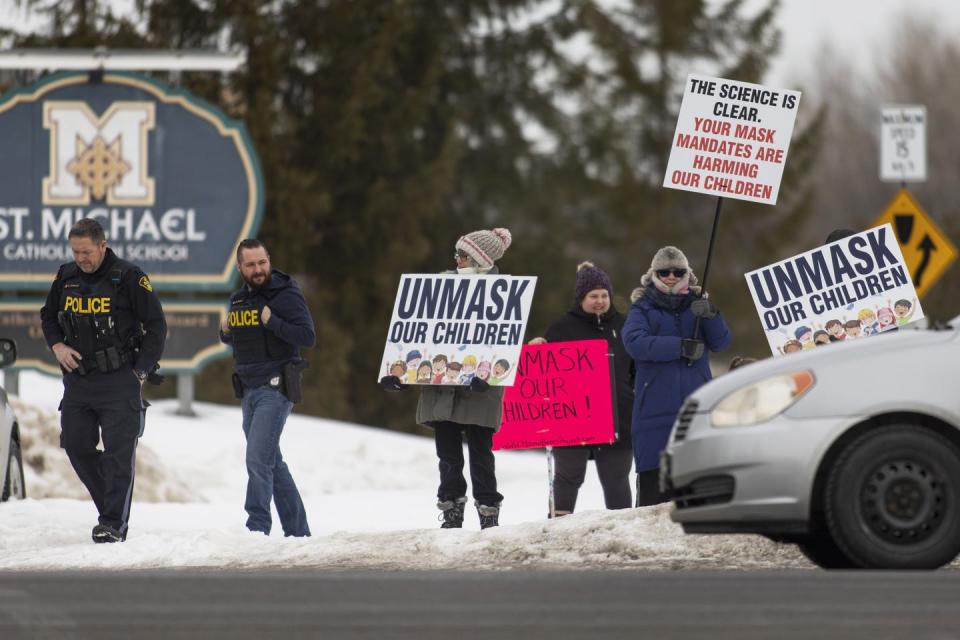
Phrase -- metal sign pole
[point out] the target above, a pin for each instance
(706, 267)
(550, 476)
(185, 395)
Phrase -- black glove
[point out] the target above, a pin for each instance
(392, 383)
(478, 385)
(691, 350)
(703, 308)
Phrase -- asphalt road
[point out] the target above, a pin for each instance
(495, 605)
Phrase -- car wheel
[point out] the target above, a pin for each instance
(893, 499)
(13, 485)
(822, 551)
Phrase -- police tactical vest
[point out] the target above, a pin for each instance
(252, 343)
(95, 318)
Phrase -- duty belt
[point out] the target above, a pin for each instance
(83, 334)
(105, 361)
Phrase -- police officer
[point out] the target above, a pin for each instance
(267, 325)
(106, 328)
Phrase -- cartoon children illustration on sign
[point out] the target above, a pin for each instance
(483, 370)
(805, 336)
(424, 373)
(852, 329)
(439, 368)
(469, 369)
(413, 365)
(500, 369)
(904, 309)
(835, 329)
(868, 322)
(453, 373)
(821, 337)
(399, 369)
(791, 346)
(886, 319)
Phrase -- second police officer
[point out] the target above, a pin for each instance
(104, 323)
(269, 322)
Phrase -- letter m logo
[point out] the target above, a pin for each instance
(103, 159)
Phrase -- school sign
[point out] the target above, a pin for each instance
(174, 182)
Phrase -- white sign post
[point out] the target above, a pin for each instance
(732, 139)
(849, 289)
(903, 143)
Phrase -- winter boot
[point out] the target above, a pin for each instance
(452, 515)
(103, 533)
(488, 515)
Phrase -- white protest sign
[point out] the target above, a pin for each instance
(448, 328)
(849, 289)
(732, 139)
(903, 143)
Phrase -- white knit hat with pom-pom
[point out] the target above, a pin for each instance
(485, 247)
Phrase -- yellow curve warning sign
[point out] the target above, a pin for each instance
(927, 251)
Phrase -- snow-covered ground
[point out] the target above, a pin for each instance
(369, 496)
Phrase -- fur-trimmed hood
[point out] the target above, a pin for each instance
(648, 279)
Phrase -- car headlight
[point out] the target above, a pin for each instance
(761, 400)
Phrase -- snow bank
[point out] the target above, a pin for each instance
(48, 473)
(630, 539)
(369, 496)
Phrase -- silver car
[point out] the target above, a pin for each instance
(11, 461)
(851, 451)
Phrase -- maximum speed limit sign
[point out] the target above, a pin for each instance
(903, 143)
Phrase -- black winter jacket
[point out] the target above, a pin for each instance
(576, 324)
(290, 321)
(142, 300)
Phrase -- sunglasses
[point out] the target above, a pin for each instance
(664, 273)
(459, 254)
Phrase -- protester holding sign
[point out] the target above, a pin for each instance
(475, 410)
(593, 316)
(669, 357)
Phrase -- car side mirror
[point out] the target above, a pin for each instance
(8, 352)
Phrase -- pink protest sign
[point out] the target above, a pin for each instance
(560, 397)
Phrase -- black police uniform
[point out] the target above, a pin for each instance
(264, 354)
(114, 319)
(252, 344)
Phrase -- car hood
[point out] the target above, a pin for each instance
(850, 372)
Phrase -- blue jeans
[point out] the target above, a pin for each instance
(265, 411)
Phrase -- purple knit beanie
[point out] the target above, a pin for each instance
(589, 278)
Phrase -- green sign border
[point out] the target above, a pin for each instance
(228, 127)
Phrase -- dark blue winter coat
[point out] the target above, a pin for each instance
(289, 328)
(652, 335)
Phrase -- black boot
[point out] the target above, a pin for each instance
(452, 512)
(489, 516)
(103, 533)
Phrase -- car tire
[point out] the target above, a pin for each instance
(893, 499)
(822, 551)
(13, 485)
